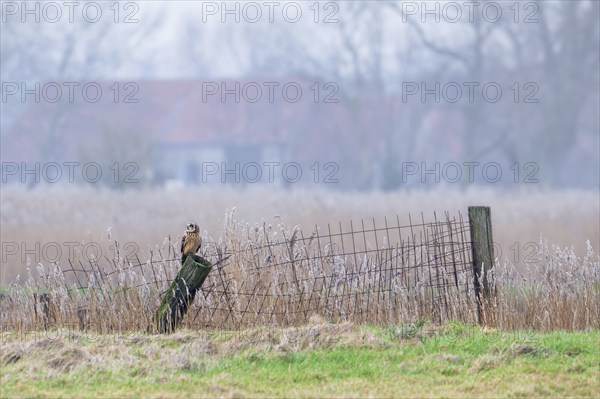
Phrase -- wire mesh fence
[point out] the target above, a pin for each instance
(360, 272)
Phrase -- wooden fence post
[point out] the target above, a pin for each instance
(482, 245)
(181, 293)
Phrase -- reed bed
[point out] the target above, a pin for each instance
(280, 275)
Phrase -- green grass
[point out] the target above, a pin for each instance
(354, 361)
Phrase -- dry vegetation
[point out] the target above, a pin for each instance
(265, 275)
(559, 292)
(275, 276)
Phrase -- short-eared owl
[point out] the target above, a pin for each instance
(191, 241)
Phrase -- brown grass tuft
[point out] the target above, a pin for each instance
(69, 358)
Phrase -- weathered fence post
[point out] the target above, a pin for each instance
(482, 245)
(181, 293)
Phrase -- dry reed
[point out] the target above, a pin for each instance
(279, 276)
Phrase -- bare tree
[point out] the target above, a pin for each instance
(69, 51)
(570, 53)
(357, 55)
(555, 53)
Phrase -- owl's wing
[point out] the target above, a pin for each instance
(182, 243)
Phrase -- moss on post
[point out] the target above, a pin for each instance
(181, 293)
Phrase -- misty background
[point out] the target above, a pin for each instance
(392, 94)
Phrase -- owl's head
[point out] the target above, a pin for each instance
(192, 228)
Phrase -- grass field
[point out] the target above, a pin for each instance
(317, 360)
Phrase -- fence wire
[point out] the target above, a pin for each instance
(359, 272)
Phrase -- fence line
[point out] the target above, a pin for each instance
(358, 272)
